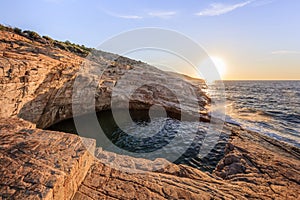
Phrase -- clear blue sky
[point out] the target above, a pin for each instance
(257, 39)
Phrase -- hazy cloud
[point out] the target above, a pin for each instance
(129, 16)
(284, 52)
(124, 16)
(216, 9)
(159, 14)
(162, 14)
(262, 3)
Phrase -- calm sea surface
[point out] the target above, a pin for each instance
(269, 107)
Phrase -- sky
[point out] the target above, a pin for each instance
(249, 39)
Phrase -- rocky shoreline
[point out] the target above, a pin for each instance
(39, 164)
(36, 81)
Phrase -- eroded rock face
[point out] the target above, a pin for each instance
(38, 164)
(37, 83)
(252, 168)
(263, 162)
(30, 72)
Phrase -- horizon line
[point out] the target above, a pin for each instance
(260, 80)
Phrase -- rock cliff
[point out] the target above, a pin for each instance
(36, 81)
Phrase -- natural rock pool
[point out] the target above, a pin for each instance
(142, 134)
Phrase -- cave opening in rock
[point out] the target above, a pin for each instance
(147, 132)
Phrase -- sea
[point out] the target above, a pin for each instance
(268, 107)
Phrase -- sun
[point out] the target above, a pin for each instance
(220, 65)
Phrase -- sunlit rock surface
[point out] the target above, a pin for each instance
(36, 82)
(38, 164)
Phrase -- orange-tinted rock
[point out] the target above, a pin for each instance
(244, 173)
(38, 164)
(36, 82)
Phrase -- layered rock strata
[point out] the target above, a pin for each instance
(37, 82)
(39, 164)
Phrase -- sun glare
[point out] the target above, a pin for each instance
(220, 65)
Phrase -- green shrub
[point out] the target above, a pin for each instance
(2, 28)
(80, 50)
(68, 42)
(5, 28)
(32, 35)
(47, 38)
(18, 31)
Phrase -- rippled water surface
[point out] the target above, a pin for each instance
(158, 137)
(270, 107)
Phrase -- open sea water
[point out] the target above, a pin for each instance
(268, 107)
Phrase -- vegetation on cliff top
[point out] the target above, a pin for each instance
(80, 50)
